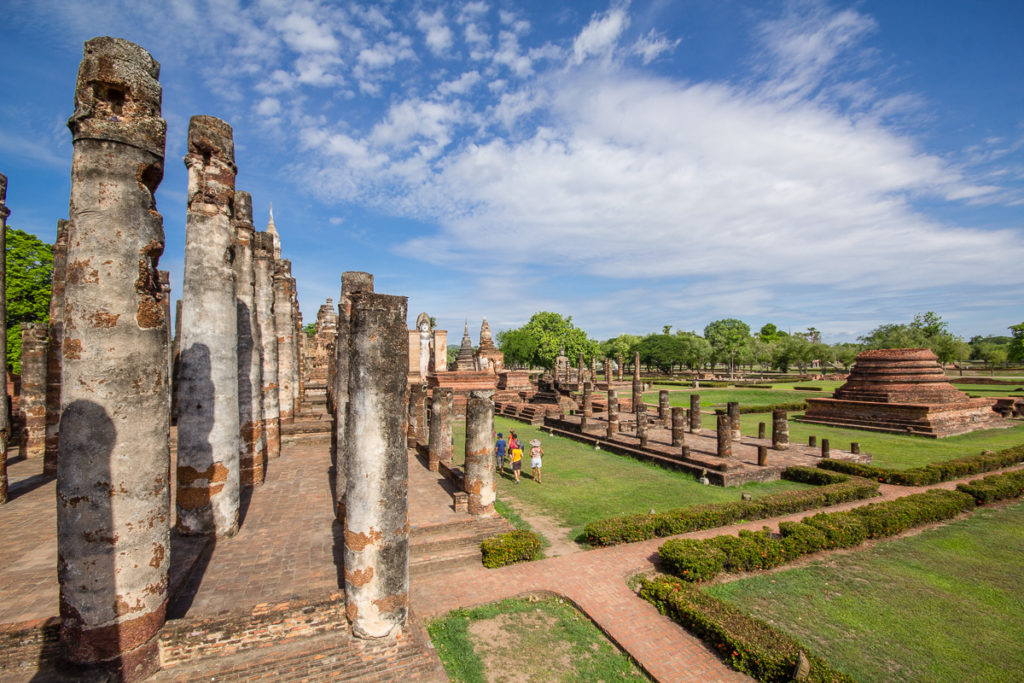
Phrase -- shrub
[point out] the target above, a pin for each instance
(841, 529)
(801, 539)
(691, 559)
(793, 406)
(813, 475)
(896, 516)
(515, 546)
(932, 473)
(641, 527)
(750, 551)
(745, 643)
(995, 487)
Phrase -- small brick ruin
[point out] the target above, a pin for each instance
(902, 391)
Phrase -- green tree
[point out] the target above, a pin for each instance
(992, 354)
(309, 329)
(768, 333)
(549, 333)
(792, 350)
(518, 346)
(452, 353)
(696, 351)
(846, 353)
(727, 338)
(624, 345)
(662, 351)
(29, 274)
(926, 330)
(1016, 350)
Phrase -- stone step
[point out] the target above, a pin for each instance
(487, 526)
(451, 560)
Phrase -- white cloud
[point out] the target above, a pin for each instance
(461, 85)
(652, 45)
(268, 106)
(304, 34)
(435, 31)
(599, 37)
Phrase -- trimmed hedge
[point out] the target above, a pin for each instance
(515, 546)
(813, 475)
(745, 643)
(791, 406)
(702, 560)
(641, 527)
(995, 487)
(932, 473)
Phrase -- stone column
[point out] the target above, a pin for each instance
(641, 425)
(284, 325)
(165, 304)
(780, 430)
(620, 367)
(208, 434)
(5, 417)
(663, 407)
(480, 453)
(588, 399)
(56, 336)
(613, 413)
(263, 272)
(33, 388)
(733, 408)
(113, 497)
(376, 522)
(724, 435)
(252, 446)
(417, 415)
(298, 342)
(638, 389)
(695, 413)
(352, 283)
(609, 370)
(826, 450)
(440, 428)
(678, 425)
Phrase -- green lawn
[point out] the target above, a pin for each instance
(946, 605)
(582, 485)
(530, 640)
(717, 398)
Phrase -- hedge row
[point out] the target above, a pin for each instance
(515, 546)
(702, 560)
(791, 406)
(747, 644)
(995, 487)
(934, 472)
(640, 527)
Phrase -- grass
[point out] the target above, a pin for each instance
(897, 451)
(531, 639)
(582, 485)
(719, 397)
(945, 605)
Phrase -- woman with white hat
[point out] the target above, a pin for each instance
(535, 458)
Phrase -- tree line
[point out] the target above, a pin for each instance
(730, 342)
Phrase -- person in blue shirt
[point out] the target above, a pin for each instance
(499, 453)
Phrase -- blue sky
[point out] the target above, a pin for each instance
(633, 165)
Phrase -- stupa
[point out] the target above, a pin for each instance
(488, 357)
(903, 391)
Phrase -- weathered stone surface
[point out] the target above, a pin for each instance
(417, 419)
(724, 435)
(352, 283)
(440, 448)
(733, 409)
(284, 325)
(780, 430)
(466, 361)
(33, 388)
(613, 413)
(208, 475)
(480, 453)
(252, 445)
(5, 418)
(113, 503)
(664, 409)
(695, 413)
(902, 391)
(263, 274)
(678, 426)
(488, 357)
(641, 425)
(53, 355)
(638, 388)
(376, 523)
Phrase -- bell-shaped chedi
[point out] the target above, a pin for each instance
(902, 391)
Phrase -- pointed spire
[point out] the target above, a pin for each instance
(272, 230)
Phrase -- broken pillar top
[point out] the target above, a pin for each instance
(355, 281)
(283, 267)
(243, 210)
(117, 96)
(263, 246)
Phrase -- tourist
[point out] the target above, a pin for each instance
(536, 452)
(517, 457)
(499, 453)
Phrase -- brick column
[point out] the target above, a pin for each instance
(33, 389)
(284, 326)
(56, 336)
(480, 452)
(440, 428)
(113, 500)
(376, 523)
(641, 425)
(613, 413)
(208, 434)
(724, 435)
(417, 414)
(695, 413)
(252, 444)
(638, 388)
(780, 430)
(733, 408)
(620, 367)
(352, 283)
(663, 407)
(263, 273)
(678, 426)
